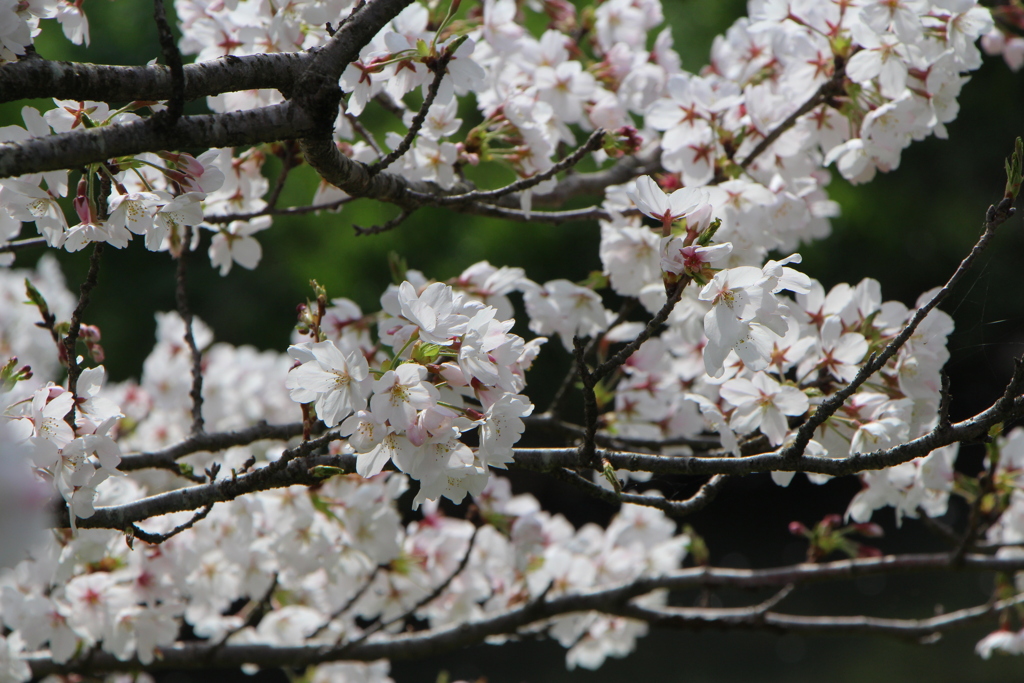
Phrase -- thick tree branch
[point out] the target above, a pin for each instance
(81, 147)
(294, 467)
(318, 86)
(42, 78)
(172, 57)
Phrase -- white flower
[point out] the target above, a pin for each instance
(235, 244)
(13, 668)
(134, 210)
(566, 308)
(1005, 641)
(171, 219)
(335, 380)
(502, 427)
(398, 394)
(762, 403)
(668, 209)
(436, 312)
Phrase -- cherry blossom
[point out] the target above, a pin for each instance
(335, 380)
(435, 386)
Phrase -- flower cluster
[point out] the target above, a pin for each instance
(158, 197)
(433, 386)
(327, 562)
(453, 367)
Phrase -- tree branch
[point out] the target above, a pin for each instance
(71, 339)
(181, 299)
(609, 600)
(218, 441)
(42, 78)
(172, 57)
(293, 468)
(673, 508)
(440, 69)
(829, 89)
(592, 144)
(302, 116)
(18, 245)
(973, 429)
(81, 147)
(755, 618)
(994, 218)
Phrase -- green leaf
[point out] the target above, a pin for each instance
(704, 239)
(609, 473)
(398, 267)
(326, 471)
(1013, 171)
(596, 280)
(35, 297)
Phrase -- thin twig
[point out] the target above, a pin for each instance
(750, 617)
(358, 127)
(945, 398)
(774, 600)
(593, 143)
(673, 508)
(828, 408)
(340, 612)
(287, 164)
(250, 614)
(940, 529)
(172, 56)
(181, 298)
(397, 109)
(385, 227)
(627, 307)
(590, 213)
(828, 90)
(423, 602)
(71, 339)
(590, 408)
(290, 211)
(440, 68)
(652, 326)
(18, 245)
(157, 539)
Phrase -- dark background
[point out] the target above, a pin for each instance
(908, 229)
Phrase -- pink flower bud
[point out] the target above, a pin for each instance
(869, 529)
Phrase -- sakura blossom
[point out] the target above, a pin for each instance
(429, 397)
